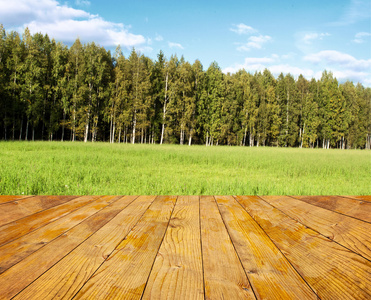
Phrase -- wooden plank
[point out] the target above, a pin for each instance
(331, 270)
(10, 198)
(15, 210)
(363, 198)
(224, 275)
(270, 274)
(347, 206)
(13, 252)
(66, 277)
(349, 232)
(15, 229)
(15, 279)
(124, 274)
(177, 271)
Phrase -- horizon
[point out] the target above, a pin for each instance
(299, 38)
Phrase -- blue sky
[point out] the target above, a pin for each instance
(297, 37)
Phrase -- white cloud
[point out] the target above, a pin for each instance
(65, 23)
(290, 55)
(259, 60)
(252, 64)
(242, 29)
(175, 45)
(343, 66)
(344, 75)
(361, 36)
(82, 2)
(159, 38)
(145, 49)
(260, 64)
(356, 11)
(254, 42)
(309, 37)
(333, 57)
(295, 71)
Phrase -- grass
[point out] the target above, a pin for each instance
(45, 168)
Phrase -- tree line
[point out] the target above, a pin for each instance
(49, 91)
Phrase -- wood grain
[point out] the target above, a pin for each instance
(66, 278)
(270, 274)
(15, 279)
(13, 252)
(124, 274)
(349, 232)
(15, 229)
(21, 208)
(331, 270)
(177, 271)
(363, 198)
(351, 207)
(224, 275)
(187, 247)
(10, 198)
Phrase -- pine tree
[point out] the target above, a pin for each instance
(60, 91)
(76, 67)
(13, 65)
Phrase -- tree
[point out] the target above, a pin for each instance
(85, 93)
(213, 99)
(34, 69)
(60, 90)
(288, 101)
(199, 78)
(139, 90)
(13, 80)
(76, 67)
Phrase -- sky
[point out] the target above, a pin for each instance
(288, 36)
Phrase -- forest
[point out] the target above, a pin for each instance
(49, 91)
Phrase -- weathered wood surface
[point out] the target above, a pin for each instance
(185, 247)
(21, 208)
(4, 199)
(351, 233)
(177, 270)
(355, 208)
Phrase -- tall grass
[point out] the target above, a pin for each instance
(118, 169)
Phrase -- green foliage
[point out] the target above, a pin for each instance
(67, 168)
(50, 91)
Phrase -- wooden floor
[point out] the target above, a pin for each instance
(185, 247)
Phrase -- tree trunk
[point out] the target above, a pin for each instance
(287, 115)
(244, 137)
(64, 120)
(26, 137)
(181, 134)
(164, 110)
(134, 126)
(190, 137)
(20, 132)
(110, 127)
(74, 121)
(86, 129)
(113, 132)
(88, 114)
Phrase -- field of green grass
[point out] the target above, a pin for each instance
(67, 168)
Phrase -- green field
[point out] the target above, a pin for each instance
(119, 169)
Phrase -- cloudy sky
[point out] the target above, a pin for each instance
(291, 36)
